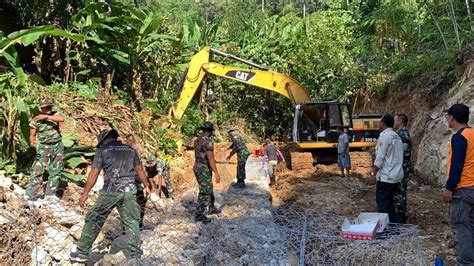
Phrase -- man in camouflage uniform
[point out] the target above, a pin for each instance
(205, 164)
(159, 167)
(238, 146)
(46, 137)
(121, 165)
(400, 200)
(152, 169)
(141, 198)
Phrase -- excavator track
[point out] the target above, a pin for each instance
(296, 159)
(299, 160)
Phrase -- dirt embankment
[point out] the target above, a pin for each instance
(424, 105)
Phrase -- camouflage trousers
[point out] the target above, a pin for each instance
(400, 198)
(48, 156)
(241, 161)
(206, 198)
(127, 206)
(168, 189)
(141, 200)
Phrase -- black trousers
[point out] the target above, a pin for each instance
(384, 196)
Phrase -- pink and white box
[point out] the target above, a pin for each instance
(365, 226)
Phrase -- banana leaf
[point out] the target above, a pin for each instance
(77, 179)
(69, 139)
(74, 162)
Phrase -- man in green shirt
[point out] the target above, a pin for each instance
(46, 137)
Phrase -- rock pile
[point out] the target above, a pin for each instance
(243, 233)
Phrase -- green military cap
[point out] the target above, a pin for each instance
(104, 134)
(150, 161)
(207, 125)
(45, 102)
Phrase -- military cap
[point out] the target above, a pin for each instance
(207, 125)
(150, 161)
(104, 134)
(45, 102)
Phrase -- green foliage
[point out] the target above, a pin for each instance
(27, 37)
(167, 140)
(337, 49)
(74, 162)
(15, 95)
(190, 123)
(15, 115)
(77, 179)
(69, 139)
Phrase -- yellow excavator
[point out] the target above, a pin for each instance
(314, 131)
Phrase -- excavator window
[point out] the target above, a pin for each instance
(319, 121)
(334, 116)
(313, 123)
(346, 116)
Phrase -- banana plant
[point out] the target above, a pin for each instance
(26, 37)
(135, 40)
(14, 91)
(15, 112)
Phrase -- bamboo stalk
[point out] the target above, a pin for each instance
(469, 14)
(437, 26)
(455, 23)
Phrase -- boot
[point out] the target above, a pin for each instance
(239, 184)
(202, 218)
(213, 210)
(272, 180)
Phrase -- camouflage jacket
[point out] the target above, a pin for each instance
(238, 143)
(202, 145)
(406, 140)
(47, 132)
(161, 168)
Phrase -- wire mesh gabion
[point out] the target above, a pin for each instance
(248, 231)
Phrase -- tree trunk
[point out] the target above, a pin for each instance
(104, 90)
(137, 89)
(67, 68)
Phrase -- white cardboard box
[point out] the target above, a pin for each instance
(365, 226)
(381, 218)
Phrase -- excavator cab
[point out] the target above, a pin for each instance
(318, 121)
(315, 132)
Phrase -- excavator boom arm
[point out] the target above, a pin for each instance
(259, 76)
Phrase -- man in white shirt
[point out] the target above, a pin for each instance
(388, 166)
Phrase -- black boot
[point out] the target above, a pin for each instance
(202, 218)
(239, 184)
(272, 180)
(214, 210)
